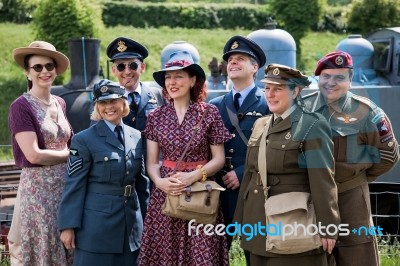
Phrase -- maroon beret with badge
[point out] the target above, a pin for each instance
(336, 59)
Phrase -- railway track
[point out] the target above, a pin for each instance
(9, 179)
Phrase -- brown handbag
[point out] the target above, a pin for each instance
(199, 201)
(287, 209)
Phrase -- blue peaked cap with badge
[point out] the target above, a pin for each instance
(240, 44)
(106, 89)
(125, 48)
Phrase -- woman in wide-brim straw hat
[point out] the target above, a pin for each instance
(40, 134)
(168, 130)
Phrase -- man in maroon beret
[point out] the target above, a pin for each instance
(364, 148)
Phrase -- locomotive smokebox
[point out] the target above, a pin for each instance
(278, 45)
(84, 58)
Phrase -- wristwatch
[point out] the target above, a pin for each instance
(203, 173)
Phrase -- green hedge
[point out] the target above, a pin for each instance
(202, 16)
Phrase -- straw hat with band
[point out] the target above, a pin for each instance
(281, 74)
(44, 49)
(178, 60)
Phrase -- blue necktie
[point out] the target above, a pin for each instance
(134, 106)
(236, 101)
(118, 129)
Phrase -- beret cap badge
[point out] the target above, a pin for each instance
(234, 45)
(104, 89)
(339, 60)
(121, 46)
(275, 71)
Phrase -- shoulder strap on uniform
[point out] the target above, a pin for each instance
(235, 122)
(364, 100)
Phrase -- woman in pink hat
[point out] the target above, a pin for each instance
(40, 135)
(169, 128)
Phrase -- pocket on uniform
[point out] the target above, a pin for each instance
(346, 144)
(286, 154)
(98, 203)
(105, 164)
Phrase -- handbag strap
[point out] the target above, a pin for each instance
(196, 129)
(262, 164)
(235, 122)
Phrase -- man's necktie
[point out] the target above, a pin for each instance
(118, 129)
(134, 105)
(277, 121)
(236, 101)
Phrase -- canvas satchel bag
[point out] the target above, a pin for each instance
(199, 201)
(293, 211)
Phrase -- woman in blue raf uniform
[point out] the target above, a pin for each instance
(299, 159)
(106, 192)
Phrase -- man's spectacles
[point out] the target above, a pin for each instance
(38, 67)
(133, 66)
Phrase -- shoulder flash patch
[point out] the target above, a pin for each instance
(384, 129)
(73, 152)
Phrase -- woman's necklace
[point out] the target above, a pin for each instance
(47, 103)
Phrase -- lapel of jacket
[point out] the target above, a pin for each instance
(146, 96)
(252, 98)
(227, 103)
(130, 140)
(104, 131)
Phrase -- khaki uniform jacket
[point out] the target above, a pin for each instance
(299, 158)
(364, 148)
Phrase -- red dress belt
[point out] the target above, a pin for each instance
(183, 165)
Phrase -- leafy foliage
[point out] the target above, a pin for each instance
(17, 11)
(367, 15)
(185, 15)
(59, 21)
(297, 17)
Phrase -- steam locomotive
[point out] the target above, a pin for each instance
(376, 61)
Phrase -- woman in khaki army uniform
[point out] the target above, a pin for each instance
(298, 158)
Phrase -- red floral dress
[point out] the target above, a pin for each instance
(166, 240)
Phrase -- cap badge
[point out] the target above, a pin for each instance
(121, 46)
(235, 45)
(339, 60)
(104, 89)
(275, 71)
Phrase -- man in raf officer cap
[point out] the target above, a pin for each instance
(239, 109)
(364, 148)
(128, 65)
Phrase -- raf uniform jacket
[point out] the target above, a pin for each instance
(93, 201)
(299, 158)
(253, 107)
(364, 148)
(150, 99)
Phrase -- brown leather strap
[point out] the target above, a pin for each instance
(350, 184)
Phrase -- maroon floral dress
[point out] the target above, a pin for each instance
(166, 240)
(41, 189)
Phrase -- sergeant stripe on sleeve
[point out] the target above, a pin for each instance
(391, 156)
(74, 166)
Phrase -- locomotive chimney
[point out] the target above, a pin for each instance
(84, 73)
